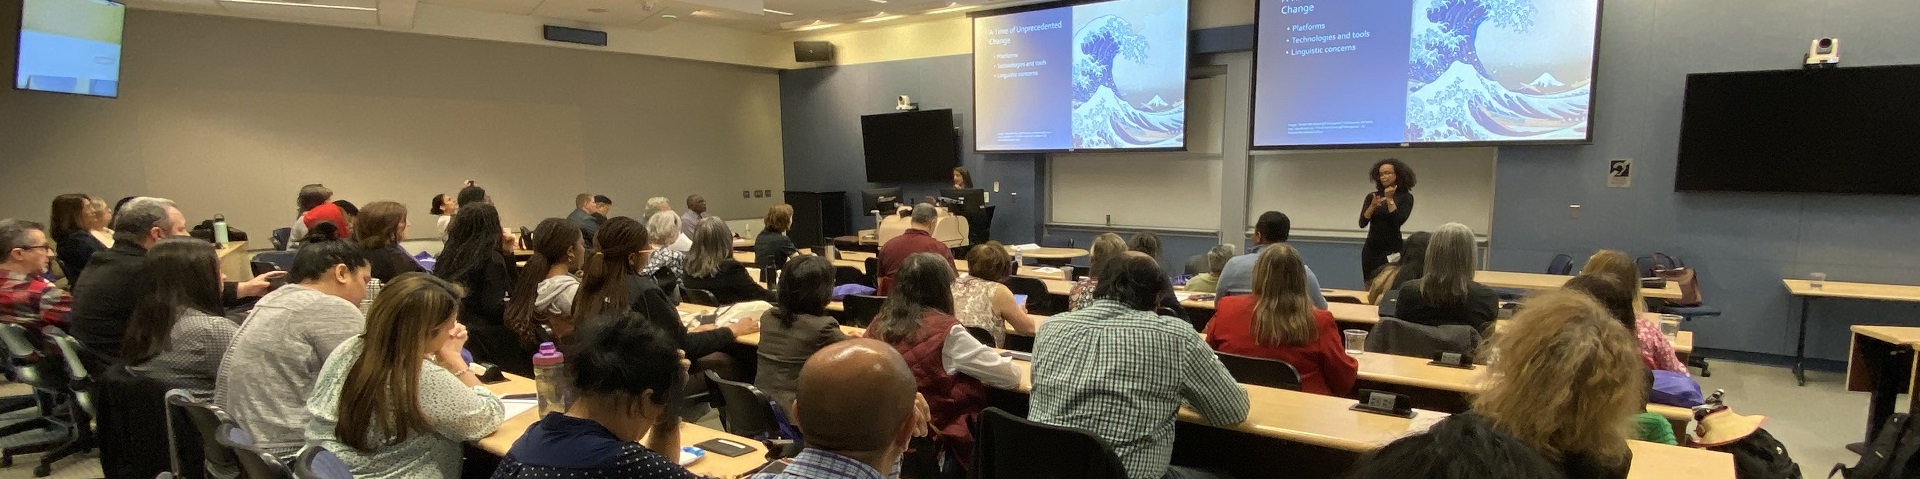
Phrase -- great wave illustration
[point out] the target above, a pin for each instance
(1102, 116)
(1452, 96)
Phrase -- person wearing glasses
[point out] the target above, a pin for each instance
(26, 297)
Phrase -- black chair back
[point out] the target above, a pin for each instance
(744, 410)
(1056, 241)
(1039, 301)
(1197, 264)
(701, 297)
(848, 275)
(985, 337)
(78, 380)
(191, 426)
(255, 463)
(861, 309)
(669, 283)
(1561, 265)
(873, 271)
(22, 363)
(133, 412)
(770, 275)
(280, 238)
(1271, 373)
(320, 463)
(1011, 447)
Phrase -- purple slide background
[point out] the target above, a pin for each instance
(1368, 84)
(1010, 105)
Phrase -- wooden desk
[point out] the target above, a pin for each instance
(1833, 289)
(1540, 281)
(1652, 461)
(1882, 361)
(715, 465)
(235, 262)
(1054, 253)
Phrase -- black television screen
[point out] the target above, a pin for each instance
(910, 146)
(1845, 130)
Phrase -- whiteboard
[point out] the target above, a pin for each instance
(1179, 189)
(1321, 191)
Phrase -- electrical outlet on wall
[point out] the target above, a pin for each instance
(1573, 212)
(746, 193)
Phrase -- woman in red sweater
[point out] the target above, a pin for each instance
(1278, 321)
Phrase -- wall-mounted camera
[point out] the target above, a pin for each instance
(906, 104)
(1823, 53)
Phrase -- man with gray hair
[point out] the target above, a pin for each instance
(26, 297)
(103, 302)
(917, 239)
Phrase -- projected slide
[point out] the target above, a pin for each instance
(70, 46)
(1345, 72)
(1110, 75)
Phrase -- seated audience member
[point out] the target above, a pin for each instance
(102, 228)
(276, 355)
(311, 196)
(329, 212)
(471, 194)
(659, 203)
(1145, 242)
(72, 224)
(351, 212)
(772, 247)
(663, 230)
(1106, 247)
(26, 297)
(858, 410)
(696, 211)
(443, 211)
(1655, 350)
(1107, 368)
(1237, 276)
(953, 370)
(1209, 281)
(545, 290)
(584, 216)
(1567, 383)
(796, 327)
(980, 299)
(624, 374)
(177, 335)
(918, 238)
(1458, 447)
(380, 230)
(711, 267)
(397, 400)
(117, 278)
(1446, 292)
(1613, 294)
(478, 258)
(1413, 262)
(1278, 321)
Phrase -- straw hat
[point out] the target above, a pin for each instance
(1723, 427)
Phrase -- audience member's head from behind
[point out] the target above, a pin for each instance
(413, 319)
(1459, 447)
(473, 239)
(1106, 248)
(382, 224)
(857, 399)
(1611, 292)
(184, 274)
(697, 204)
(1391, 172)
(962, 179)
(625, 372)
(623, 249)
(712, 247)
(347, 208)
(1413, 256)
(1448, 278)
(326, 264)
(663, 228)
(1135, 280)
(923, 284)
(146, 220)
(659, 203)
(779, 218)
(1217, 258)
(990, 261)
(602, 205)
(924, 216)
(1283, 310)
(556, 242)
(1568, 378)
(583, 202)
(312, 196)
(1272, 227)
(27, 247)
(806, 287)
(71, 212)
(1145, 242)
(472, 194)
(1617, 264)
(443, 205)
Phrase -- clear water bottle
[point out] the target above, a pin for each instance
(554, 394)
(220, 230)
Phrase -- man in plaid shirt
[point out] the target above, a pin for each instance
(1121, 371)
(26, 297)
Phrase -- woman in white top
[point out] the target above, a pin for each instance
(663, 231)
(397, 401)
(102, 225)
(443, 209)
(981, 301)
(951, 368)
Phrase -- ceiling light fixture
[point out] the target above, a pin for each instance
(313, 5)
(669, 16)
(883, 16)
(950, 8)
(776, 12)
(816, 26)
(878, 1)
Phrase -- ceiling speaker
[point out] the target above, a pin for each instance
(576, 35)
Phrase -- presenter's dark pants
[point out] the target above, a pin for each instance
(1372, 258)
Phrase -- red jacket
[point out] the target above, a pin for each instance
(328, 212)
(1324, 366)
(895, 253)
(951, 398)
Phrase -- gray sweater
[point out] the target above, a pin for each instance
(270, 368)
(191, 359)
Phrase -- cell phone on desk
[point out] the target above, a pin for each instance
(1020, 299)
(725, 447)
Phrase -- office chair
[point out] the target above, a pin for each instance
(848, 275)
(257, 464)
(81, 412)
(1561, 265)
(1039, 301)
(747, 411)
(320, 463)
(861, 309)
(205, 419)
(25, 366)
(1271, 373)
(1012, 447)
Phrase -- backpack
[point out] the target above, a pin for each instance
(1889, 455)
(1760, 456)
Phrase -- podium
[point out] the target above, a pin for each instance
(947, 228)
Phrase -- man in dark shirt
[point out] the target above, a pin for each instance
(917, 239)
(103, 302)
